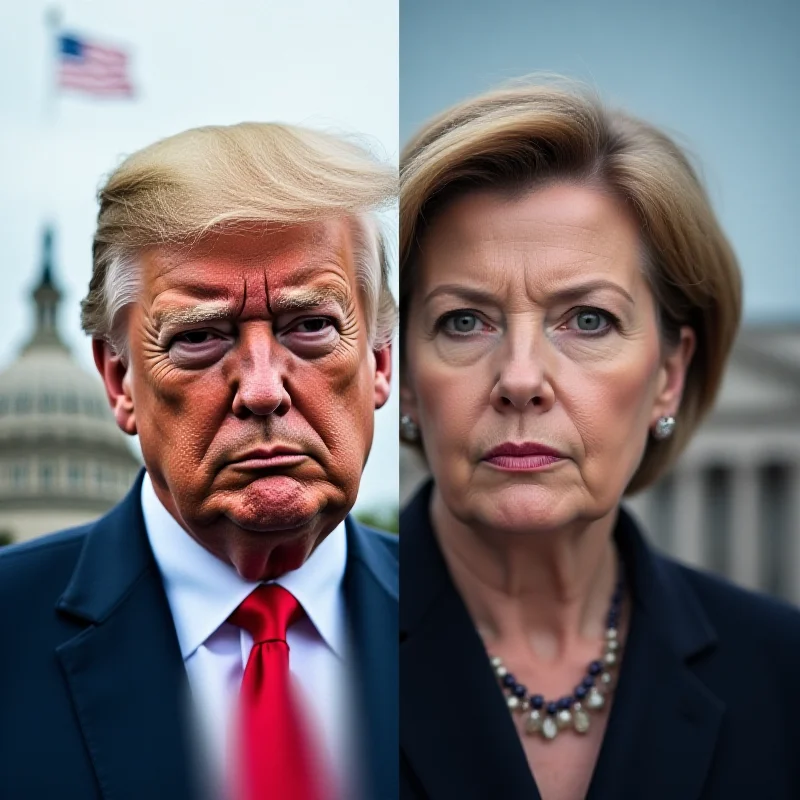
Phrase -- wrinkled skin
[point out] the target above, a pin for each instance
(251, 340)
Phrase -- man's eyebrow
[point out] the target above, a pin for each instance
(307, 298)
(202, 312)
(300, 299)
(565, 295)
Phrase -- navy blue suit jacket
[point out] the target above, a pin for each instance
(93, 691)
(706, 707)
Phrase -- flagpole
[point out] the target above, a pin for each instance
(52, 20)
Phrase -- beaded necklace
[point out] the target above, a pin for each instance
(549, 718)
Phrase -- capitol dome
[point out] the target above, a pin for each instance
(63, 460)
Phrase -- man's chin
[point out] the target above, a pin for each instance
(277, 505)
(269, 526)
(278, 523)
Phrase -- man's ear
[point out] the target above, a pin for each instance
(672, 376)
(383, 374)
(115, 373)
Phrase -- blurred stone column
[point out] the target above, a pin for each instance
(745, 551)
(689, 501)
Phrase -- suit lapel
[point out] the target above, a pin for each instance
(124, 670)
(456, 734)
(665, 722)
(371, 594)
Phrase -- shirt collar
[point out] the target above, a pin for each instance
(204, 591)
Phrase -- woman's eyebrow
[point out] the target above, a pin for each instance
(582, 289)
(568, 293)
(467, 293)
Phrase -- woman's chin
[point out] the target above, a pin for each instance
(527, 509)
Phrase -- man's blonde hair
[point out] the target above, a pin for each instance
(237, 177)
(517, 139)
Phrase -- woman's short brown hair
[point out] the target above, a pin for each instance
(521, 138)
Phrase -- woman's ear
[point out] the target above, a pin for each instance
(672, 375)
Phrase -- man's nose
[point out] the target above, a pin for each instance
(523, 375)
(261, 375)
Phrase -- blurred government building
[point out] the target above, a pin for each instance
(63, 461)
(732, 503)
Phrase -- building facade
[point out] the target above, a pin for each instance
(63, 460)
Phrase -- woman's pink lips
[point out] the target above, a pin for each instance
(524, 463)
(522, 456)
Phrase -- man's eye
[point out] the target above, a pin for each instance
(313, 325)
(199, 348)
(194, 337)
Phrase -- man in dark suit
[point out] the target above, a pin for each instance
(213, 633)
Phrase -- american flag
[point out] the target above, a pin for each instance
(92, 68)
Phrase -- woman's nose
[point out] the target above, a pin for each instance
(523, 379)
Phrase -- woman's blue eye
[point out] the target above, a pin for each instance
(591, 320)
(461, 323)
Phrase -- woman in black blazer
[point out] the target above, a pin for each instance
(568, 302)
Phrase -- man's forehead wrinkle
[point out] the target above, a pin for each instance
(195, 283)
(233, 274)
(267, 258)
(304, 289)
(188, 294)
(310, 260)
(316, 243)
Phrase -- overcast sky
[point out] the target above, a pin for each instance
(332, 65)
(721, 75)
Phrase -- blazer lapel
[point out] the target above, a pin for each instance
(455, 733)
(371, 592)
(124, 670)
(664, 722)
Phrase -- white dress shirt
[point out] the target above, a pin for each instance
(203, 592)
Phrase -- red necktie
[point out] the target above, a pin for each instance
(275, 755)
